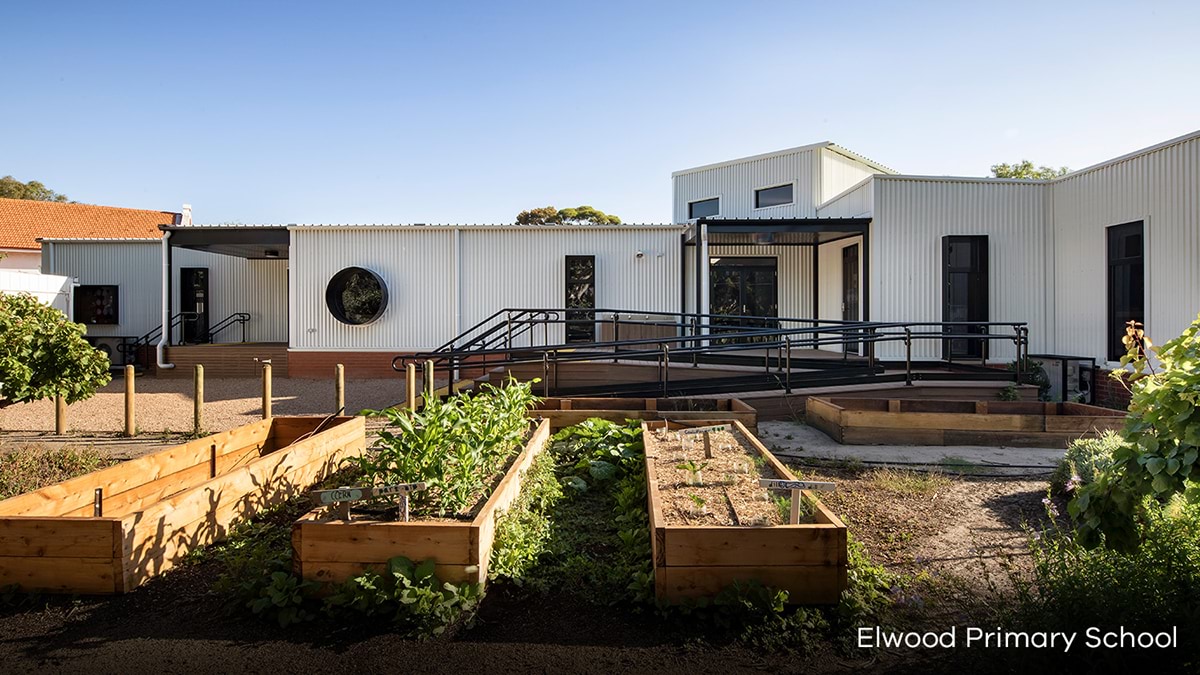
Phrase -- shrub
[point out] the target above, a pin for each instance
(1163, 435)
(1085, 459)
(32, 467)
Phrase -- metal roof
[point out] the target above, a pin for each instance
(779, 153)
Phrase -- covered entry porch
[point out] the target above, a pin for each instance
(779, 273)
(225, 299)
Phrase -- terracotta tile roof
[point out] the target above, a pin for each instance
(22, 221)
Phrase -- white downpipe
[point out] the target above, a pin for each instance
(160, 350)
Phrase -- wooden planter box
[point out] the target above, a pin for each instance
(871, 421)
(566, 412)
(328, 549)
(158, 508)
(807, 560)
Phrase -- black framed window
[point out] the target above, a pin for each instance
(1126, 282)
(773, 196)
(356, 296)
(581, 297)
(97, 305)
(704, 208)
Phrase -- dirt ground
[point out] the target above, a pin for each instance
(165, 404)
(950, 528)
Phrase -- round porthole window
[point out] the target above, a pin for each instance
(356, 296)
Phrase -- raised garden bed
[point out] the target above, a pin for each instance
(326, 548)
(566, 412)
(871, 421)
(157, 508)
(742, 536)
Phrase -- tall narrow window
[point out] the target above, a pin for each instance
(704, 208)
(1126, 283)
(964, 294)
(581, 298)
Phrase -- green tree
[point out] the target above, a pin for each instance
(43, 354)
(14, 189)
(580, 215)
(1026, 170)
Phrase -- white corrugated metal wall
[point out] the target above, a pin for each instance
(736, 182)
(49, 289)
(1161, 188)
(840, 173)
(794, 270)
(498, 267)
(135, 268)
(523, 267)
(912, 215)
(257, 287)
(856, 202)
(416, 264)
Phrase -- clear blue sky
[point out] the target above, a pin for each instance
(455, 112)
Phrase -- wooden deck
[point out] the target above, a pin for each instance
(227, 360)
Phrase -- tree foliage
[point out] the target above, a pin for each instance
(580, 215)
(1026, 170)
(43, 354)
(14, 189)
(1162, 434)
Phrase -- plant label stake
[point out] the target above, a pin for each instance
(795, 486)
(707, 431)
(343, 496)
(98, 503)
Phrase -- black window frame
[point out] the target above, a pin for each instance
(334, 295)
(692, 208)
(759, 191)
(1116, 317)
(84, 293)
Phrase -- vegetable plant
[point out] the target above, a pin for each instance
(453, 446)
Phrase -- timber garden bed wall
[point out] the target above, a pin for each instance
(565, 412)
(871, 421)
(331, 550)
(155, 509)
(809, 559)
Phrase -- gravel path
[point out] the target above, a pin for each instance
(165, 404)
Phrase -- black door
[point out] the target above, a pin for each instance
(741, 288)
(1126, 283)
(193, 303)
(581, 298)
(850, 289)
(965, 294)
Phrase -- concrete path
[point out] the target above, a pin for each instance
(794, 440)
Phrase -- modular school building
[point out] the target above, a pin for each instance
(813, 233)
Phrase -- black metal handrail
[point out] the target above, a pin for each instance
(695, 335)
(240, 318)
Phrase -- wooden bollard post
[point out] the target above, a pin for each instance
(266, 394)
(60, 415)
(411, 377)
(197, 399)
(339, 389)
(429, 385)
(130, 422)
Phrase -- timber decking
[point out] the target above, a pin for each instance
(159, 507)
(565, 412)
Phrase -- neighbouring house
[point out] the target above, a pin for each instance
(816, 235)
(24, 221)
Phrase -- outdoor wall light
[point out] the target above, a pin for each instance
(640, 255)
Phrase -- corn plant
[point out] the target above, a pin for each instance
(453, 446)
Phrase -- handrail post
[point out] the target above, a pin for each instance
(907, 356)
(871, 349)
(1017, 370)
(787, 387)
(666, 368)
(508, 330)
(695, 344)
(616, 323)
(546, 374)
